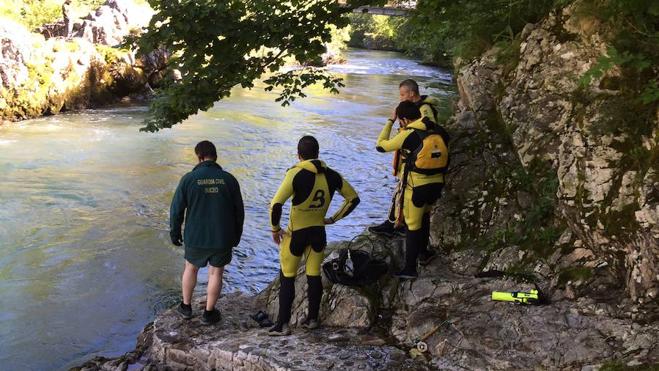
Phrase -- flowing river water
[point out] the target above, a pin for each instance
(85, 257)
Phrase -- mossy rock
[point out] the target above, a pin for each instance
(574, 274)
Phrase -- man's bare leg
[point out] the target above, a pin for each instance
(188, 282)
(215, 275)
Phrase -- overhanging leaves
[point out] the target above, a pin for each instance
(217, 45)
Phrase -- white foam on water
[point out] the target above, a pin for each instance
(6, 142)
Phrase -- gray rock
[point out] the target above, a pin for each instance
(45, 75)
(107, 25)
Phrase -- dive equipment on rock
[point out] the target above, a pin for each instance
(262, 319)
(365, 268)
(531, 297)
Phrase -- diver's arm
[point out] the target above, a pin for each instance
(350, 202)
(284, 192)
(385, 144)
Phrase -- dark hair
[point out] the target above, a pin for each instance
(410, 85)
(206, 149)
(408, 110)
(307, 147)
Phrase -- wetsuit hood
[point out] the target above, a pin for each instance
(316, 166)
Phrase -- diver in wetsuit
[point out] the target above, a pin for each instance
(311, 184)
(423, 144)
(408, 91)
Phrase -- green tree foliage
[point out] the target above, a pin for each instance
(379, 31)
(466, 28)
(217, 45)
(631, 30)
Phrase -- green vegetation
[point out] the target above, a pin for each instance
(466, 28)
(631, 28)
(376, 31)
(537, 230)
(338, 43)
(630, 69)
(35, 13)
(218, 45)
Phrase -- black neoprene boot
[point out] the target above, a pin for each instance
(314, 293)
(426, 254)
(412, 244)
(385, 229)
(286, 296)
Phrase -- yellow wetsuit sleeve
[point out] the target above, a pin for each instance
(350, 200)
(284, 192)
(426, 111)
(384, 144)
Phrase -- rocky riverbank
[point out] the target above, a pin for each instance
(378, 327)
(43, 74)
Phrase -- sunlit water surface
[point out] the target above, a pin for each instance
(85, 258)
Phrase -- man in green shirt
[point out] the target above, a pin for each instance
(209, 200)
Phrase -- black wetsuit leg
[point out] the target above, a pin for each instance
(286, 296)
(425, 234)
(314, 293)
(412, 244)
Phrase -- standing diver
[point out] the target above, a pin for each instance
(423, 144)
(311, 184)
(408, 90)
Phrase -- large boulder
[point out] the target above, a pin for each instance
(107, 25)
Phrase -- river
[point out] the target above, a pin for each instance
(85, 257)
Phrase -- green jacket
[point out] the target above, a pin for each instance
(210, 200)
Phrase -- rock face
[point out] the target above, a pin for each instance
(546, 180)
(107, 25)
(47, 75)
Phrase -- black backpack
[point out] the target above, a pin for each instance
(365, 269)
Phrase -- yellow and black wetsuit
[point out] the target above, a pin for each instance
(427, 187)
(427, 106)
(312, 185)
(420, 190)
